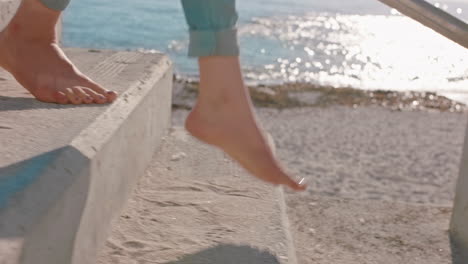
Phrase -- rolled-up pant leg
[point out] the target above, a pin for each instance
(212, 25)
(58, 5)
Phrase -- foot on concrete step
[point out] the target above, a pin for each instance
(29, 51)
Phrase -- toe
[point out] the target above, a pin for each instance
(85, 97)
(297, 186)
(97, 98)
(61, 98)
(109, 95)
(72, 97)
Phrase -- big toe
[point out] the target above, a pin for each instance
(111, 96)
(295, 185)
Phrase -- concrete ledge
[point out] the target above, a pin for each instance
(66, 171)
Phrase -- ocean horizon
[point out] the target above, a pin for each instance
(362, 44)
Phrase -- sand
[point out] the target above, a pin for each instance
(372, 153)
(369, 153)
(381, 181)
(195, 206)
(348, 231)
(381, 187)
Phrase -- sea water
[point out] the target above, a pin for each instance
(359, 43)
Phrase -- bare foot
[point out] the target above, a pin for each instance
(29, 51)
(235, 131)
(224, 117)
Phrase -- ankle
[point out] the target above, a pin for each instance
(221, 95)
(33, 22)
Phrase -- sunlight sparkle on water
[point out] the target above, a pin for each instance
(370, 52)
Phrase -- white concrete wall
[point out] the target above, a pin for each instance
(459, 225)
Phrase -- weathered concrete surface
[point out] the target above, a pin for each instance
(7, 10)
(459, 223)
(344, 231)
(65, 171)
(196, 206)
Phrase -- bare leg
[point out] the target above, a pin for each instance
(223, 117)
(29, 51)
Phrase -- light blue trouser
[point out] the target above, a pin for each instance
(212, 25)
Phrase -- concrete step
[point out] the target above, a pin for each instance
(7, 10)
(66, 171)
(194, 205)
(345, 231)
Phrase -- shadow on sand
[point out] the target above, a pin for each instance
(459, 254)
(228, 254)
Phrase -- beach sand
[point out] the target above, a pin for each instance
(349, 231)
(381, 181)
(381, 186)
(194, 205)
(369, 153)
